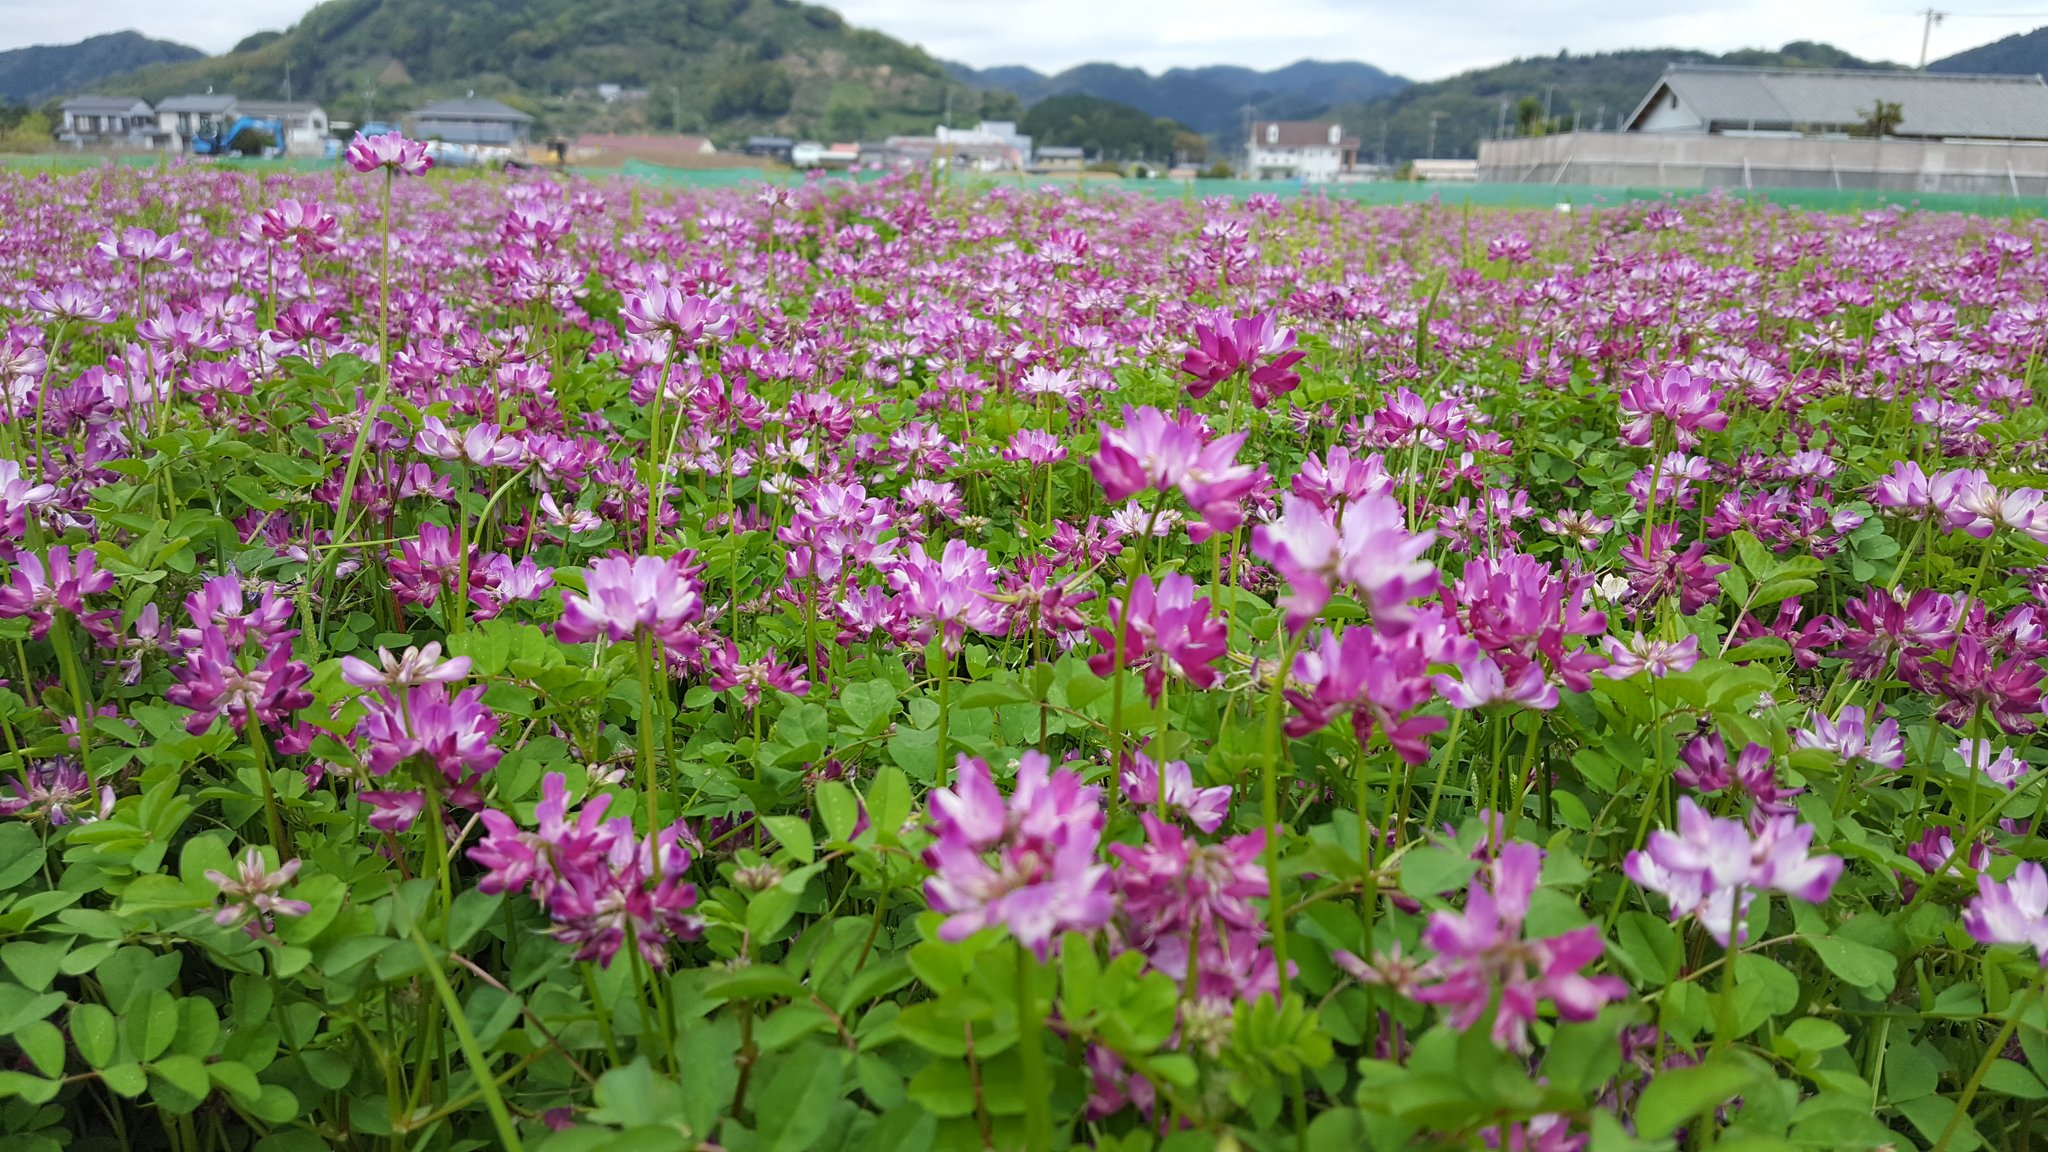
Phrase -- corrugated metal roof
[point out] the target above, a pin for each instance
(1930, 104)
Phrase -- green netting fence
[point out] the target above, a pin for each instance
(1523, 196)
(1401, 192)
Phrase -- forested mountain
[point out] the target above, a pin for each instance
(1211, 100)
(732, 66)
(43, 71)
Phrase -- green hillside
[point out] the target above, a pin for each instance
(730, 67)
(42, 71)
(1592, 90)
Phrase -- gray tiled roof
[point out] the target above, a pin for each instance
(100, 105)
(472, 108)
(207, 103)
(1930, 104)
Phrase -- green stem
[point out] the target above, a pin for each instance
(472, 1052)
(1269, 807)
(944, 673)
(1991, 1054)
(278, 839)
(1031, 1054)
(645, 645)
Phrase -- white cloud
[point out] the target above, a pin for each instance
(1419, 40)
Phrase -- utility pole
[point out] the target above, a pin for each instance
(1927, 32)
(1600, 119)
(1383, 142)
(1547, 90)
(1433, 118)
(1500, 130)
(287, 80)
(1248, 109)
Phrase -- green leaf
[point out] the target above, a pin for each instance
(2010, 1079)
(1813, 1034)
(798, 1102)
(793, 833)
(943, 1088)
(472, 910)
(235, 1079)
(838, 809)
(185, 1073)
(18, 1006)
(34, 964)
(1858, 965)
(1681, 1094)
(1584, 1056)
(634, 1095)
(92, 1030)
(1433, 870)
(755, 982)
(44, 1045)
(869, 704)
(127, 1079)
(151, 1030)
(888, 801)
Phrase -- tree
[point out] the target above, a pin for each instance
(251, 142)
(31, 133)
(753, 90)
(1115, 131)
(1001, 104)
(1882, 118)
(1529, 116)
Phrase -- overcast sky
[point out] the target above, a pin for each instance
(1423, 41)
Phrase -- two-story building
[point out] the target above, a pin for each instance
(472, 121)
(1309, 151)
(109, 122)
(180, 118)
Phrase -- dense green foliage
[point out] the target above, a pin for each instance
(1117, 131)
(45, 71)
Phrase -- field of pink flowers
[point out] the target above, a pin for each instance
(539, 665)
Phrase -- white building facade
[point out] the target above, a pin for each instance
(1305, 150)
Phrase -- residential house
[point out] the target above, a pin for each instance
(472, 121)
(121, 122)
(305, 125)
(180, 118)
(1721, 100)
(1310, 151)
(773, 147)
(992, 145)
(1058, 158)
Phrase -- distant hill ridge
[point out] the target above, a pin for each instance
(2023, 54)
(44, 71)
(1210, 100)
